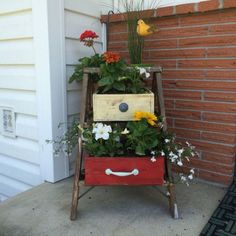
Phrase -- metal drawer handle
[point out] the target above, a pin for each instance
(133, 172)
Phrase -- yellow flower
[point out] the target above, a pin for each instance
(151, 118)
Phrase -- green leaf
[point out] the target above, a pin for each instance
(104, 81)
(140, 151)
(119, 86)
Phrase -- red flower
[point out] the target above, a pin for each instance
(88, 35)
(111, 57)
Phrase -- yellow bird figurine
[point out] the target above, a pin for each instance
(144, 29)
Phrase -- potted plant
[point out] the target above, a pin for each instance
(131, 153)
(120, 88)
(139, 143)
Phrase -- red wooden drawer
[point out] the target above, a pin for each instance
(149, 173)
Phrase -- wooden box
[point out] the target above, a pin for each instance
(123, 171)
(121, 107)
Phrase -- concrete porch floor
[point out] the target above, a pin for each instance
(108, 211)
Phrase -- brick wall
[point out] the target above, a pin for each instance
(196, 46)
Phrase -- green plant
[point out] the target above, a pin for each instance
(118, 78)
(115, 76)
(134, 10)
(93, 61)
(141, 137)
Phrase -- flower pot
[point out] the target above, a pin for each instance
(121, 107)
(123, 171)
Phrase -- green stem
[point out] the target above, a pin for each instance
(94, 49)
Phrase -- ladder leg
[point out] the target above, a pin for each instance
(75, 193)
(172, 201)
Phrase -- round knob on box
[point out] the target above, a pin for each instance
(123, 107)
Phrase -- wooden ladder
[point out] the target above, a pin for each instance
(86, 106)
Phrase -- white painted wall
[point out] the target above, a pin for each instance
(39, 49)
(19, 157)
(79, 17)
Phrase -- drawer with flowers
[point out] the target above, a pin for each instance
(124, 171)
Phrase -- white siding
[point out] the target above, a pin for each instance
(19, 157)
(79, 17)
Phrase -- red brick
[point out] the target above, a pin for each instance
(179, 32)
(209, 18)
(222, 29)
(147, 14)
(184, 74)
(165, 22)
(220, 74)
(208, 64)
(118, 37)
(158, 44)
(208, 5)
(201, 125)
(117, 46)
(214, 177)
(193, 115)
(183, 169)
(124, 55)
(178, 53)
(171, 64)
(117, 27)
(229, 3)
(211, 166)
(113, 18)
(169, 104)
(205, 85)
(206, 106)
(219, 148)
(217, 96)
(219, 138)
(169, 122)
(218, 117)
(185, 8)
(221, 52)
(208, 41)
(165, 11)
(217, 158)
(184, 133)
(181, 94)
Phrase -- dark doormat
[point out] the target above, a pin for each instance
(223, 220)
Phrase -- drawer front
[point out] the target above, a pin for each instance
(123, 171)
(121, 107)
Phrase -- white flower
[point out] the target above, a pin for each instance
(192, 171)
(147, 75)
(167, 140)
(162, 153)
(153, 153)
(180, 163)
(171, 154)
(153, 159)
(143, 71)
(101, 131)
(190, 176)
(125, 131)
(117, 139)
(180, 151)
(183, 178)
